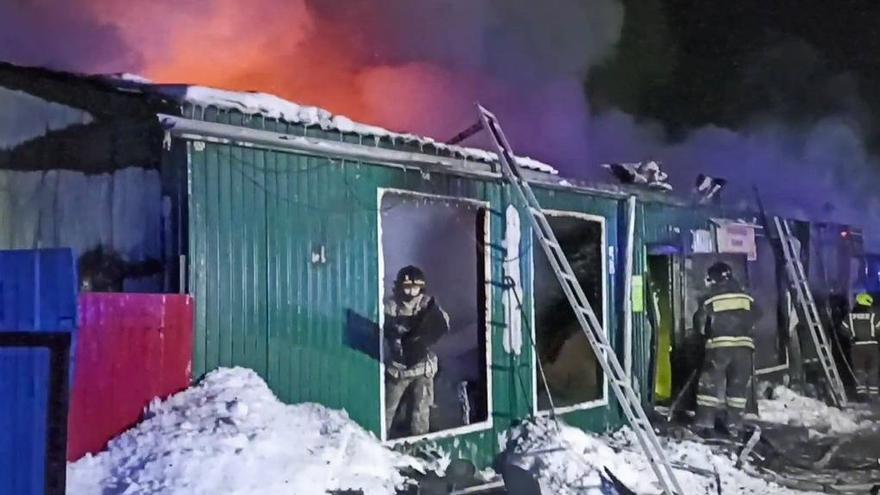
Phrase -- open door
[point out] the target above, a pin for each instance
(661, 283)
(676, 284)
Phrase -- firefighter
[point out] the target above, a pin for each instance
(414, 322)
(861, 327)
(725, 317)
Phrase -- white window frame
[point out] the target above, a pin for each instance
(592, 404)
(487, 424)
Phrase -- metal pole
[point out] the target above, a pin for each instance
(627, 287)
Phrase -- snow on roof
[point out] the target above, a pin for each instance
(125, 76)
(254, 103)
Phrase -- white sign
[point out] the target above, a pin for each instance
(737, 238)
(702, 241)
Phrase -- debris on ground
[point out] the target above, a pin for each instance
(789, 408)
(566, 460)
(229, 434)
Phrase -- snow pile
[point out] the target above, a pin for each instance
(271, 106)
(790, 408)
(231, 435)
(567, 460)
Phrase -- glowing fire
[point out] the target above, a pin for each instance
(284, 49)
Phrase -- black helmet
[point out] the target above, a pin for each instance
(719, 272)
(410, 275)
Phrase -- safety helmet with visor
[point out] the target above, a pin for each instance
(410, 282)
(718, 272)
(865, 299)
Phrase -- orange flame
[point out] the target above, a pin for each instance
(282, 48)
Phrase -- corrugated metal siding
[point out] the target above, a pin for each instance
(24, 389)
(256, 220)
(131, 348)
(228, 258)
(38, 316)
(667, 224)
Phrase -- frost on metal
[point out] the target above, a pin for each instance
(513, 339)
(25, 117)
(56, 208)
(271, 106)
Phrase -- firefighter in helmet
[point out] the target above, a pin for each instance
(861, 327)
(414, 322)
(725, 317)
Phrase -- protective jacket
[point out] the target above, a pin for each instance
(726, 316)
(862, 325)
(413, 328)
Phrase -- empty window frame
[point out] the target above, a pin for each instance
(574, 376)
(434, 382)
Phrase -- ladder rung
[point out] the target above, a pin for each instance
(551, 243)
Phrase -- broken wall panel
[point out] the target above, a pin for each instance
(573, 374)
(764, 283)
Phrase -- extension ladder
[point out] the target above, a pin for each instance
(626, 396)
(804, 296)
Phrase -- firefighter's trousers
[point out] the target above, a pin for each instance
(866, 365)
(724, 385)
(418, 378)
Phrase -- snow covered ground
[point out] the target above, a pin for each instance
(567, 461)
(788, 407)
(230, 435)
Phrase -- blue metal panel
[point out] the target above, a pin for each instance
(38, 316)
(24, 399)
(38, 290)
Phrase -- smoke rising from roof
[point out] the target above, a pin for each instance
(420, 66)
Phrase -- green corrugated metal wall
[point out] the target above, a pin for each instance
(256, 218)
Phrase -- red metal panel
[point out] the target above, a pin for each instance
(130, 349)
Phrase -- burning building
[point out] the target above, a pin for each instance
(288, 225)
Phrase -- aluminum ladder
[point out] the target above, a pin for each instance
(626, 396)
(801, 288)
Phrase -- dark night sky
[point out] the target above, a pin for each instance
(689, 63)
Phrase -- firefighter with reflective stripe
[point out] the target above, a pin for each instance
(862, 327)
(726, 317)
(414, 322)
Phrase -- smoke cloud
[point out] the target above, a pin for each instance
(420, 66)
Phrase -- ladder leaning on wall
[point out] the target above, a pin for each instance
(626, 396)
(800, 287)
